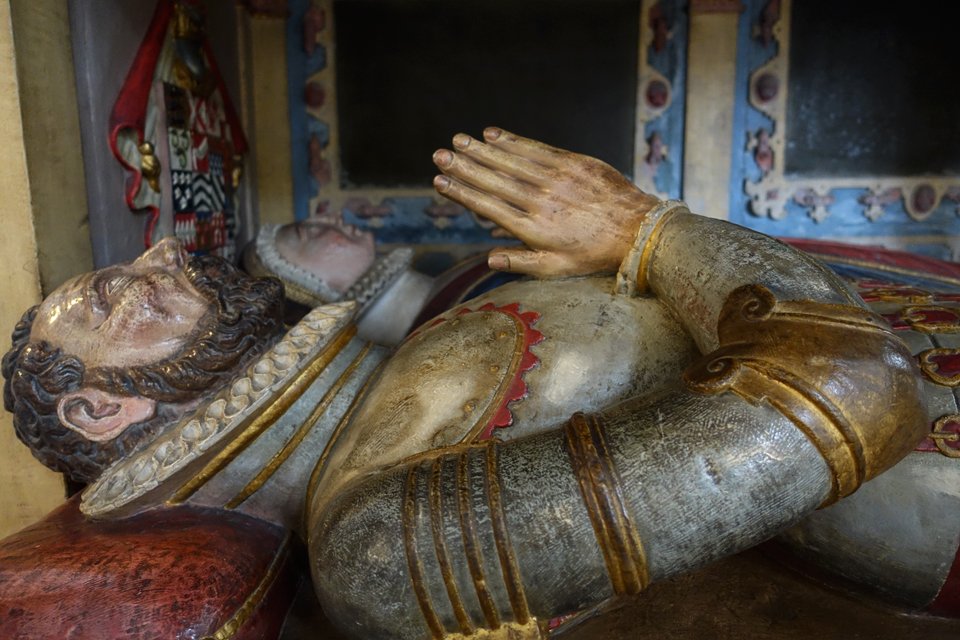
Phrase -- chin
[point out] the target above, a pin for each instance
(342, 279)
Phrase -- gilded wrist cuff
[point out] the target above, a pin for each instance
(632, 275)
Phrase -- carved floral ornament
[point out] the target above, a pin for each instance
(768, 90)
(654, 97)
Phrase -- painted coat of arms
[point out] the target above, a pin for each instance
(174, 128)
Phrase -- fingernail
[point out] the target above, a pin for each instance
(461, 141)
(492, 133)
(499, 262)
(442, 158)
(441, 183)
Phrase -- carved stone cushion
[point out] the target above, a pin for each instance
(179, 572)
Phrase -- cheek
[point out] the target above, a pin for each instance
(301, 253)
(136, 323)
(183, 307)
(148, 337)
(162, 316)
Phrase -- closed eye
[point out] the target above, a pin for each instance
(116, 284)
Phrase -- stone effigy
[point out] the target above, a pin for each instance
(323, 259)
(448, 491)
(781, 415)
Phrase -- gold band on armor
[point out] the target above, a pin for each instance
(599, 481)
(498, 522)
(430, 502)
(471, 546)
(632, 275)
(437, 530)
(298, 436)
(414, 562)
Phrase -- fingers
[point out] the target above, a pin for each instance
(525, 147)
(503, 161)
(539, 264)
(487, 180)
(520, 260)
(483, 204)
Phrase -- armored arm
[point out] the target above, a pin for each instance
(800, 396)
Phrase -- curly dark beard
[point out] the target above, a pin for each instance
(248, 318)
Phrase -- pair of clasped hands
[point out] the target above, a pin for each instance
(576, 215)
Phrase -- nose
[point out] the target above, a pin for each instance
(166, 254)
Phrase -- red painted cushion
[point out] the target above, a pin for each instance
(179, 572)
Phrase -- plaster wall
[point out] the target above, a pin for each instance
(29, 489)
(51, 132)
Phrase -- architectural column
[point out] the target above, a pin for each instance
(265, 106)
(40, 177)
(711, 87)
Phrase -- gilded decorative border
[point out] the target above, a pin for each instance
(944, 437)
(768, 91)
(300, 434)
(632, 274)
(932, 318)
(512, 387)
(762, 358)
(941, 365)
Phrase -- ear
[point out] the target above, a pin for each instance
(100, 415)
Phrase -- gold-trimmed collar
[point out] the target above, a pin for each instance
(151, 475)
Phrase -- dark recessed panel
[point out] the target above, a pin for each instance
(411, 73)
(873, 89)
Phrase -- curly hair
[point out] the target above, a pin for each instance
(247, 319)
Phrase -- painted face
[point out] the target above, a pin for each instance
(124, 315)
(336, 252)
